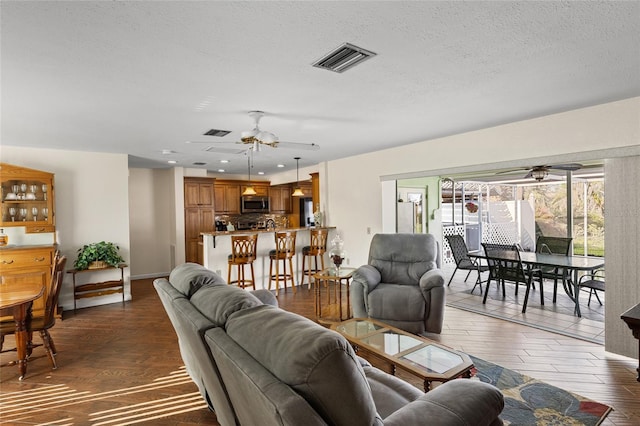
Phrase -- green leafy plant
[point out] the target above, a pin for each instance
(98, 252)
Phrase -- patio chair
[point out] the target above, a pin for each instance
(593, 282)
(463, 261)
(505, 265)
(554, 245)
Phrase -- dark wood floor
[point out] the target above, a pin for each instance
(120, 365)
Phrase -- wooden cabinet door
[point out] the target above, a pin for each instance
(198, 193)
(232, 199)
(220, 196)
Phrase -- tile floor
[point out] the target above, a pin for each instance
(557, 318)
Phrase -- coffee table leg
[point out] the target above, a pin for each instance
(427, 385)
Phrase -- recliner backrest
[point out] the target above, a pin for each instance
(403, 258)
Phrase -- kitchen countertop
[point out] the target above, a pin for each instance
(259, 231)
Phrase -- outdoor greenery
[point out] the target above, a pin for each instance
(588, 211)
(103, 251)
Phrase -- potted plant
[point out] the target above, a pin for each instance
(97, 256)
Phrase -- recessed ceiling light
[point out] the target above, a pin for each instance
(221, 170)
(280, 166)
(167, 152)
(224, 161)
(172, 162)
(260, 173)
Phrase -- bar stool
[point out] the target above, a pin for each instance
(317, 247)
(284, 251)
(243, 252)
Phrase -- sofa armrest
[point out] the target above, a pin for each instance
(364, 280)
(461, 402)
(431, 279)
(266, 297)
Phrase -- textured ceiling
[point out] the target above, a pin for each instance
(142, 77)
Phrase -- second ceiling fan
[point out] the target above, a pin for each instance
(540, 172)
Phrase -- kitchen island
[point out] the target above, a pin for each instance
(217, 248)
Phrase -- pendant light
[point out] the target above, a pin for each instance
(249, 189)
(297, 191)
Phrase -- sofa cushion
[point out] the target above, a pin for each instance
(316, 362)
(397, 302)
(190, 277)
(217, 303)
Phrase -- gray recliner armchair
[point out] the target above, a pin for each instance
(402, 284)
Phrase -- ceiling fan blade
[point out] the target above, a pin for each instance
(298, 145)
(506, 172)
(568, 166)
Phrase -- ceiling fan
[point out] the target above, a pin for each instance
(257, 138)
(540, 172)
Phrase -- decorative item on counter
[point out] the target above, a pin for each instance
(4, 238)
(97, 256)
(317, 216)
(337, 253)
(230, 227)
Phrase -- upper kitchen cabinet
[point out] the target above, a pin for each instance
(198, 192)
(280, 199)
(27, 198)
(261, 188)
(227, 197)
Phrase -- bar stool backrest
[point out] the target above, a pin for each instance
(285, 243)
(243, 248)
(318, 241)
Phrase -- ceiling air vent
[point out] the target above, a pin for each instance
(217, 132)
(199, 163)
(343, 58)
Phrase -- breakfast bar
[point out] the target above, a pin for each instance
(217, 248)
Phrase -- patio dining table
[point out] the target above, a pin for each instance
(571, 265)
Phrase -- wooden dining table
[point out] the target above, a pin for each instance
(571, 265)
(16, 296)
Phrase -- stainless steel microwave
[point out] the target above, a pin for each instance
(254, 204)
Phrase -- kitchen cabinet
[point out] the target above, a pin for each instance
(227, 197)
(280, 199)
(261, 188)
(27, 199)
(199, 215)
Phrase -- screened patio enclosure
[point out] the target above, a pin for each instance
(517, 213)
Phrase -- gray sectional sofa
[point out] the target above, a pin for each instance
(256, 364)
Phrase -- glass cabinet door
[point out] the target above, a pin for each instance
(27, 198)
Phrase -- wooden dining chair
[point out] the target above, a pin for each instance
(43, 323)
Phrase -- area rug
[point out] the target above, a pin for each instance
(531, 402)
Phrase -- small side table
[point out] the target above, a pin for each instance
(632, 318)
(96, 289)
(336, 277)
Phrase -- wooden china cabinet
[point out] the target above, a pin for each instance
(28, 201)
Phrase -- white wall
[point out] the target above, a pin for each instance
(151, 222)
(92, 204)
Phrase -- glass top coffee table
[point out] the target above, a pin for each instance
(390, 348)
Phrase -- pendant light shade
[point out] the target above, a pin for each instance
(297, 191)
(249, 190)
